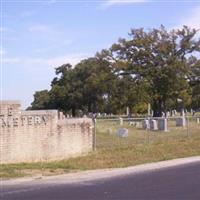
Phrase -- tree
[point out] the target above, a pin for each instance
(96, 82)
(155, 66)
(84, 87)
(194, 77)
(41, 100)
(66, 89)
(159, 58)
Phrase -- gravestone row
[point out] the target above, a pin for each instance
(157, 124)
(152, 124)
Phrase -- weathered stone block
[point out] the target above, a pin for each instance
(122, 132)
(132, 123)
(181, 121)
(153, 125)
(162, 125)
(34, 136)
(146, 124)
(138, 124)
(121, 121)
(9, 108)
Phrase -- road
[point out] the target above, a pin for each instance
(171, 183)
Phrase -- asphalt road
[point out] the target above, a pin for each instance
(173, 183)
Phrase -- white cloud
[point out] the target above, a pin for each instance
(3, 29)
(45, 32)
(110, 3)
(39, 28)
(13, 60)
(53, 47)
(27, 13)
(192, 19)
(72, 59)
(52, 1)
(46, 62)
(2, 51)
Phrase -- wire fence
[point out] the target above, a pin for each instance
(125, 132)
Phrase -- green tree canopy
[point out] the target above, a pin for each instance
(154, 66)
(159, 58)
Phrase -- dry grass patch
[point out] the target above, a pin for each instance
(112, 152)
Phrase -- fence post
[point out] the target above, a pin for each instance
(147, 131)
(187, 123)
(121, 121)
(147, 136)
(94, 133)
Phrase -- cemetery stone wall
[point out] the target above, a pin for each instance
(34, 136)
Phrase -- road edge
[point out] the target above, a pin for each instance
(90, 175)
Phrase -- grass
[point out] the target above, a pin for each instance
(112, 152)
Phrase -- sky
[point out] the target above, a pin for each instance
(38, 36)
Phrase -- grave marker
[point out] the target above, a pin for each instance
(122, 132)
(162, 125)
(153, 125)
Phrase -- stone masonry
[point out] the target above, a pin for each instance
(42, 135)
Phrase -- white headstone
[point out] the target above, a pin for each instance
(132, 123)
(121, 121)
(162, 125)
(149, 109)
(127, 111)
(198, 120)
(138, 124)
(153, 125)
(109, 131)
(145, 124)
(181, 121)
(122, 132)
(168, 114)
(183, 113)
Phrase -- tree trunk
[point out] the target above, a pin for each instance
(158, 108)
(89, 108)
(130, 111)
(73, 111)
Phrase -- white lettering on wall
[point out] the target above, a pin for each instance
(9, 121)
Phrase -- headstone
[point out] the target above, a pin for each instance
(138, 124)
(162, 125)
(149, 109)
(181, 121)
(127, 111)
(122, 132)
(183, 113)
(131, 123)
(153, 125)
(109, 131)
(168, 114)
(145, 124)
(121, 121)
(198, 120)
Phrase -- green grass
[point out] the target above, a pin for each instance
(111, 151)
